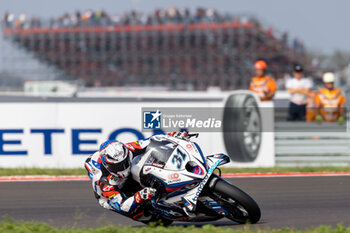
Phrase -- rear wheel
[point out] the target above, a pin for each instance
(242, 207)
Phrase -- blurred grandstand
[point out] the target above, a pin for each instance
(176, 49)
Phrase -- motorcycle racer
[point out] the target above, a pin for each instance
(110, 168)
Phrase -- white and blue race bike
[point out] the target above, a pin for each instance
(187, 187)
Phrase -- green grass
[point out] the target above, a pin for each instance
(77, 171)
(11, 226)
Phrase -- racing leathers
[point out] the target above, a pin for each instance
(118, 191)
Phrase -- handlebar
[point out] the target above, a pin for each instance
(190, 135)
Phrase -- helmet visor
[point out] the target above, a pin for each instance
(117, 167)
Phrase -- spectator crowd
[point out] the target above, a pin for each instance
(198, 57)
(102, 18)
(172, 15)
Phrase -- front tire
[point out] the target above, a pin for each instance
(242, 207)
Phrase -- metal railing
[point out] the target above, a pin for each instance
(299, 144)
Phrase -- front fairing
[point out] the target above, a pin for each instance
(213, 161)
(169, 159)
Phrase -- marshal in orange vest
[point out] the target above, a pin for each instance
(264, 86)
(330, 103)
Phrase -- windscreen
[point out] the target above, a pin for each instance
(161, 150)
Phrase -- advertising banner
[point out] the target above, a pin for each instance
(61, 133)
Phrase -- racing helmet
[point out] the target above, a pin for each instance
(116, 158)
(260, 65)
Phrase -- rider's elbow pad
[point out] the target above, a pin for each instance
(103, 202)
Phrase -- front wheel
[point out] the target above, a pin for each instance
(241, 207)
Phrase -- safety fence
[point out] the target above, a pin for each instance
(299, 144)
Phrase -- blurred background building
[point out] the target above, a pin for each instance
(175, 49)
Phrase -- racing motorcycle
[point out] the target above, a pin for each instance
(187, 187)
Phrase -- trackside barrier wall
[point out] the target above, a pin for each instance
(61, 133)
(298, 144)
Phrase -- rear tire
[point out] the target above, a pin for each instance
(244, 209)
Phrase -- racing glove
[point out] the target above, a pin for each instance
(144, 194)
(180, 135)
(341, 120)
(319, 119)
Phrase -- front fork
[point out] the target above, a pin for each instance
(212, 202)
(207, 200)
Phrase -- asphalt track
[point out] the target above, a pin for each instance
(298, 202)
